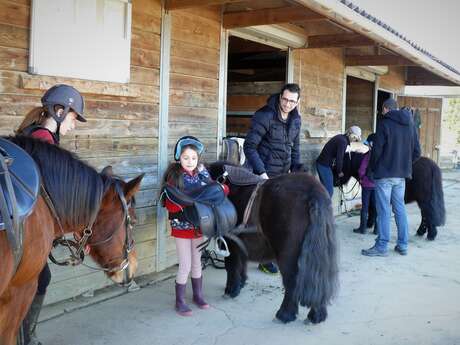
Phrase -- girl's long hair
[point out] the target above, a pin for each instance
(36, 116)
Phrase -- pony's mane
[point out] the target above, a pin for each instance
(75, 188)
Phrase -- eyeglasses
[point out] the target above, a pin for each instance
(291, 102)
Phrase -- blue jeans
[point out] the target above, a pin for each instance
(326, 178)
(389, 192)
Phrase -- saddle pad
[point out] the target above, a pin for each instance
(241, 177)
(25, 178)
(211, 194)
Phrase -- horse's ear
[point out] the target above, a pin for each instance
(108, 171)
(133, 186)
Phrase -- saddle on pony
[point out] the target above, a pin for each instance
(207, 208)
(20, 185)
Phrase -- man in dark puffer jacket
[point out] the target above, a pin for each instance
(271, 146)
(395, 148)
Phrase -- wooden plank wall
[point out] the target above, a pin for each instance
(360, 105)
(247, 97)
(430, 113)
(194, 81)
(121, 131)
(319, 73)
(394, 80)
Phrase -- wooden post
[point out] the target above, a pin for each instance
(222, 107)
(165, 57)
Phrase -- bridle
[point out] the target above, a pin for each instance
(77, 247)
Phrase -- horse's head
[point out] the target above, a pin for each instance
(112, 242)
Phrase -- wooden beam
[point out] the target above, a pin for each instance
(269, 16)
(377, 60)
(181, 4)
(421, 76)
(338, 41)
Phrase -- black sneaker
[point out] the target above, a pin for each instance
(269, 268)
(400, 251)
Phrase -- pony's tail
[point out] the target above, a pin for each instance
(436, 208)
(317, 276)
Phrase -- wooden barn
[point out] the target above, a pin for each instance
(152, 71)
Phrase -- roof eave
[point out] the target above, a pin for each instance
(346, 16)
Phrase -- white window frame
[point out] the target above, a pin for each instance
(84, 39)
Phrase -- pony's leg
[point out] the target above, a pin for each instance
(244, 273)
(423, 227)
(290, 306)
(317, 314)
(432, 232)
(233, 266)
(15, 302)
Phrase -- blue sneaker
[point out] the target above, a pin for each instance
(269, 268)
(400, 251)
(374, 252)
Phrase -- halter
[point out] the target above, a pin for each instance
(76, 248)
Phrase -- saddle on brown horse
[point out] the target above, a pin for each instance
(19, 188)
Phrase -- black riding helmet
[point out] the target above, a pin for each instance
(184, 141)
(65, 96)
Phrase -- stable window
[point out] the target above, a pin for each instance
(85, 39)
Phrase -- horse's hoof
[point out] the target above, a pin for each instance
(317, 315)
(285, 317)
(420, 233)
(232, 293)
(431, 238)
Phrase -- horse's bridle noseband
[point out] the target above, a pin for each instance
(77, 247)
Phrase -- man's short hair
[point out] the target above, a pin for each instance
(294, 88)
(390, 104)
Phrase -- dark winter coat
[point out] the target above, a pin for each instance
(332, 153)
(395, 146)
(272, 145)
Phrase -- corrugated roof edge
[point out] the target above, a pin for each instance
(377, 21)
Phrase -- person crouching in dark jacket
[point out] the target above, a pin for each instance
(332, 156)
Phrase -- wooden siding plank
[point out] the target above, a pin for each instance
(14, 13)
(193, 52)
(195, 68)
(14, 59)
(191, 83)
(14, 36)
(145, 40)
(145, 58)
(195, 30)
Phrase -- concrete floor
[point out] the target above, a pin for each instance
(393, 300)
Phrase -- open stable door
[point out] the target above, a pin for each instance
(427, 116)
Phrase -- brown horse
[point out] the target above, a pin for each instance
(82, 200)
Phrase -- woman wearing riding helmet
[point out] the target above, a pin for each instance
(62, 106)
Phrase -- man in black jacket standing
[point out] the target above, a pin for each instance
(394, 150)
(272, 144)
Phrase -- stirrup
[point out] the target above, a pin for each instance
(221, 247)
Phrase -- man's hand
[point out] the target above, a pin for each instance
(264, 176)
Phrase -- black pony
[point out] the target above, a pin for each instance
(425, 188)
(293, 223)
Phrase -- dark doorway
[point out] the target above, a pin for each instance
(360, 105)
(382, 96)
(255, 71)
